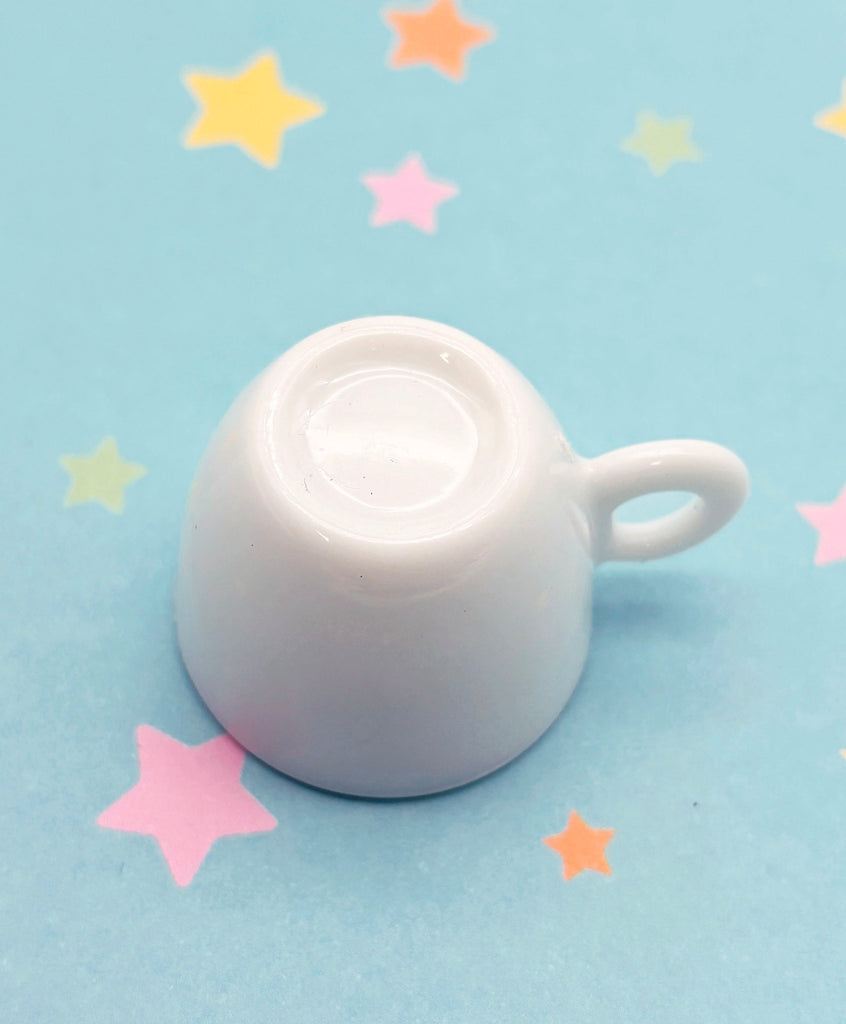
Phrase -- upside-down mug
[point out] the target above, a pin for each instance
(384, 584)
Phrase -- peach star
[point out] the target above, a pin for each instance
(830, 521)
(437, 36)
(186, 798)
(834, 118)
(581, 847)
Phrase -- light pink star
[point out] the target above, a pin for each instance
(408, 194)
(830, 520)
(187, 797)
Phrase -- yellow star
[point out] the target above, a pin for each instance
(662, 142)
(834, 119)
(100, 476)
(251, 110)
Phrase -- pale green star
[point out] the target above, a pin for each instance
(662, 142)
(100, 476)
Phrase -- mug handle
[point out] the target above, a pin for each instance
(715, 476)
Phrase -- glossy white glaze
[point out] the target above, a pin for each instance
(385, 575)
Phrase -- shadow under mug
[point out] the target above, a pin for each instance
(384, 583)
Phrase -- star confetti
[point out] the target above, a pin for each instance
(408, 194)
(581, 847)
(187, 798)
(437, 36)
(662, 142)
(101, 476)
(251, 109)
(830, 522)
(834, 118)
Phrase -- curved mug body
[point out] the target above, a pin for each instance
(384, 584)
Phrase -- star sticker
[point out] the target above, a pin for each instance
(830, 521)
(408, 194)
(251, 110)
(662, 142)
(834, 119)
(100, 476)
(187, 797)
(581, 847)
(437, 36)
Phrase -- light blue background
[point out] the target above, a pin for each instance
(143, 285)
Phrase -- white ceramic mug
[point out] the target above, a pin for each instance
(384, 584)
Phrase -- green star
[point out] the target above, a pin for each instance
(662, 142)
(100, 476)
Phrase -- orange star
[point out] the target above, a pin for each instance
(581, 847)
(833, 119)
(438, 36)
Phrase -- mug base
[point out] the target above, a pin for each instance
(377, 783)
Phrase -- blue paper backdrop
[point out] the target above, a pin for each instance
(144, 284)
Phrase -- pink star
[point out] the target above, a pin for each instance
(830, 520)
(408, 194)
(187, 797)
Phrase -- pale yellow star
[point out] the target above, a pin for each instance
(834, 119)
(251, 110)
(662, 142)
(100, 476)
